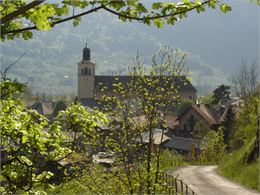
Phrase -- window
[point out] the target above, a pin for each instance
(192, 122)
(86, 71)
(185, 127)
(191, 127)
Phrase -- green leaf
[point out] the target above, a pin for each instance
(171, 20)
(212, 4)
(157, 5)
(141, 8)
(200, 9)
(24, 139)
(225, 8)
(118, 5)
(27, 35)
(158, 23)
(132, 2)
(76, 21)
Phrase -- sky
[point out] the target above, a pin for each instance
(220, 39)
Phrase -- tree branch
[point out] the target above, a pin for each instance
(21, 10)
(4, 73)
(111, 11)
(57, 22)
(153, 17)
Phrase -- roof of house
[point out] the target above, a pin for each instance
(222, 118)
(28, 103)
(181, 143)
(44, 108)
(108, 81)
(208, 113)
(90, 102)
(159, 136)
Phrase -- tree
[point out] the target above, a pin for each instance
(221, 95)
(8, 87)
(229, 125)
(32, 147)
(19, 18)
(245, 80)
(27, 145)
(213, 146)
(35, 146)
(200, 130)
(207, 98)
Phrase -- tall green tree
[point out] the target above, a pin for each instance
(221, 95)
(19, 18)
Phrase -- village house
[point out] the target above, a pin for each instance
(208, 116)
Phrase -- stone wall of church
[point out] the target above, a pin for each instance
(86, 79)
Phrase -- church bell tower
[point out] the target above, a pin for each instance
(86, 75)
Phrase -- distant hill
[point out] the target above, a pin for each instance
(51, 57)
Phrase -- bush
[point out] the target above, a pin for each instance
(213, 146)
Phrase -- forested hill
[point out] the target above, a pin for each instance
(51, 57)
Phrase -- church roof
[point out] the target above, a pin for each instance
(109, 80)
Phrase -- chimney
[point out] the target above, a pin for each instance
(198, 102)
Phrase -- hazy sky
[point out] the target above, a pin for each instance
(220, 39)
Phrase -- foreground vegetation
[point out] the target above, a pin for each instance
(235, 169)
(102, 181)
(242, 162)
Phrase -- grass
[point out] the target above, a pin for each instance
(235, 169)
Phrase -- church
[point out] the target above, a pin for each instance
(88, 82)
